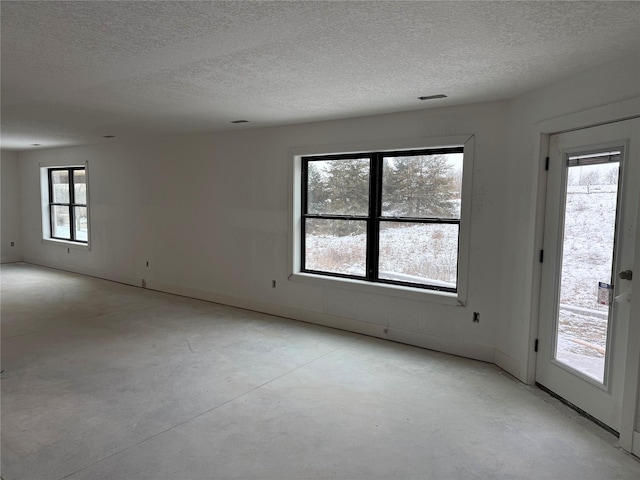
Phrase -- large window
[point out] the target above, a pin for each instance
(386, 217)
(68, 218)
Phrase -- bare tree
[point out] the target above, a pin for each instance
(611, 175)
(589, 178)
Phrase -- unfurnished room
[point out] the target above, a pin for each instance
(297, 239)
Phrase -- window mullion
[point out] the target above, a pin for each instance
(72, 193)
(72, 223)
(375, 206)
(72, 210)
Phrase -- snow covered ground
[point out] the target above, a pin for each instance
(587, 258)
(425, 251)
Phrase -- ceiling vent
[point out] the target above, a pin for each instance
(432, 97)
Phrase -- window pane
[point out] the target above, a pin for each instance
(338, 187)
(337, 246)
(587, 260)
(61, 222)
(60, 185)
(80, 186)
(419, 253)
(81, 226)
(422, 186)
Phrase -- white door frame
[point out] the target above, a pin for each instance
(623, 110)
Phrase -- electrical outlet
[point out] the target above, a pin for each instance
(273, 284)
(147, 264)
(13, 244)
(476, 317)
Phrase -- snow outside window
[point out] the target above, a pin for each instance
(387, 217)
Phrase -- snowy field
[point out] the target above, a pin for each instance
(587, 258)
(429, 252)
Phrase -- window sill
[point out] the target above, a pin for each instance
(400, 291)
(66, 244)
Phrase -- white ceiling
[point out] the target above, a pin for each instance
(74, 71)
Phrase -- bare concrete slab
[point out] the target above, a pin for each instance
(107, 381)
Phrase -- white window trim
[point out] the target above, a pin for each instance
(44, 202)
(295, 210)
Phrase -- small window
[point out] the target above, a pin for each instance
(386, 217)
(68, 214)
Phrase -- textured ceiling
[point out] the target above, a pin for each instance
(73, 71)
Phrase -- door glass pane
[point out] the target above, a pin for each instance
(81, 228)
(422, 186)
(61, 222)
(338, 187)
(80, 186)
(425, 254)
(60, 186)
(587, 261)
(336, 246)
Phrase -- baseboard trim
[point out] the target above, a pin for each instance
(454, 347)
(509, 364)
(473, 351)
(10, 260)
(131, 280)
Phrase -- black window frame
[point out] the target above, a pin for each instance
(374, 217)
(71, 206)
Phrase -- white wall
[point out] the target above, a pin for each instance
(209, 213)
(10, 204)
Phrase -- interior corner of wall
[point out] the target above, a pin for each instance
(510, 365)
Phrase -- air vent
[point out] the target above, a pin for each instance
(432, 97)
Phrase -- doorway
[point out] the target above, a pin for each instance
(589, 243)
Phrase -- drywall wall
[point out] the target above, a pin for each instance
(210, 215)
(10, 204)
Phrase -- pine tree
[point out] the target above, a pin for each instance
(348, 187)
(317, 193)
(418, 187)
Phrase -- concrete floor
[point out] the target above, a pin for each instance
(107, 381)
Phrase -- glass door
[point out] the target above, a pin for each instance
(589, 242)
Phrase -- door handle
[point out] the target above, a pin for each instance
(626, 275)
